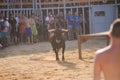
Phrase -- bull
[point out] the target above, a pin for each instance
(57, 40)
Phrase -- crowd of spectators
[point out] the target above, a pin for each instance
(19, 29)
(29, 29)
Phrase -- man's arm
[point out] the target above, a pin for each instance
(97, 68)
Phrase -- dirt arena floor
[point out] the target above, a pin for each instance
(37, 62)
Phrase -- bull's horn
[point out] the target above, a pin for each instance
(51, 30)
(66, 30)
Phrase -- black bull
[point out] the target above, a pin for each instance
(57, 40)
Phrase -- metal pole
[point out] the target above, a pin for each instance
(33, 6)
(21, 4)
(58, 10)
(8, 8)
(47, 12)
(77, 10)
(72, 10)
(36, 8)
(40, 9)
(90, 20)
(64, 8)
(52, 11)
(83, 16)
(21, 7)
(116, 8)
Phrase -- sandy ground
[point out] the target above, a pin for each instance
(37, 62)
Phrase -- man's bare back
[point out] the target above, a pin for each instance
(110, 62)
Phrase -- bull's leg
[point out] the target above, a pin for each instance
(63, 58)
(63, 49)
(56, 53)
(55, 50)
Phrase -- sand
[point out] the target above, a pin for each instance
(37, 61)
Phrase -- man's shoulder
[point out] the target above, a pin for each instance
(102, 51)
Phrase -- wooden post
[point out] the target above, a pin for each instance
(107, 40)
(79, 47)
(84, 38)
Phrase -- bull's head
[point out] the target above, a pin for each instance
(58, 34)
(58, 31)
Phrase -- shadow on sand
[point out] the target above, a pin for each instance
(67, 64)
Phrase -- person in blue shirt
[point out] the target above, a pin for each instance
(69, 19)
(77, 26)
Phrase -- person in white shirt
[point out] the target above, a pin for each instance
(5, 32)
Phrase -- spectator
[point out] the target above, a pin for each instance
(51, 22)
(28, 31)
(62, 20)
(39, 28)
(17, 27)
(5, 32)
(21, 29)
(1, 29)
(47, 20)
(13, 32)
(77, 25)
(33, 27)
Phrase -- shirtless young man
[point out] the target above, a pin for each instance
(107, 60)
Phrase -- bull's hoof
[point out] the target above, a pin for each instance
(63, 59)
(57, 59)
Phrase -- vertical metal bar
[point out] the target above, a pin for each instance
(22, 12)
(71, 10)
(42, 17)
(83, 16)
(14, 13)
(52, 10)
(36, 8)
(47, 12)
(77, 10)
(64, 1)
(58, 10)
(33, 6)
(7, 8)
(7, 13)
(21, 4)
(10, 11)
(27, 12)
(17, 13)
(90, 20)
(30, 12)
(116, 8)
(40, 9)
(3, 13)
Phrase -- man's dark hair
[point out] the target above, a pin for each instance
(115, 28)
